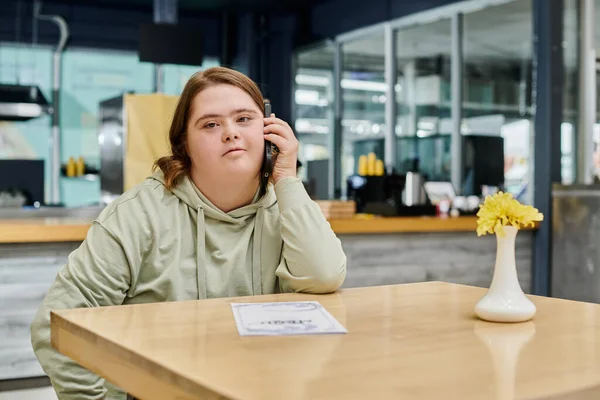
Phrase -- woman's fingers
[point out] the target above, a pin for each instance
(281, 135)
(286, 132)
(274, 120)
(282, 143)
(282, 132)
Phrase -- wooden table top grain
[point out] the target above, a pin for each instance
(413, 341)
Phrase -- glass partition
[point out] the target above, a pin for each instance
(497, 94)
(596, 132)
(497, 85)
(423, 128)
(363, 93)
(569, 127)
(313, 114)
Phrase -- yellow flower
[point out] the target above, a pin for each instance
(502, 210)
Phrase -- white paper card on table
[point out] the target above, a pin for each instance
(284, 318)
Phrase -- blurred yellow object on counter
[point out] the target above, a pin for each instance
(80, 167)
(379, 170)
(369, 165)
(362, 165)
(71, 167)
(371, 159)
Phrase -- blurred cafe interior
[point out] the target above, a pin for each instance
(408, 114)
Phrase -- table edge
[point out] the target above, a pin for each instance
(192, 387)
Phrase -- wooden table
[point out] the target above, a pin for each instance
(417, 341)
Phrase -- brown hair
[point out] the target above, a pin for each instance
(178, 164)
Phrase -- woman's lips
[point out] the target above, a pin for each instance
(234, 151)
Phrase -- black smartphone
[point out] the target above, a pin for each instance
(268, 160)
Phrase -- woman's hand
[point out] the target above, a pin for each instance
(281, 135)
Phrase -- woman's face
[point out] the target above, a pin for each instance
(225, 134)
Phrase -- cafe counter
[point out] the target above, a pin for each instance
(380, 251)
(44, 230)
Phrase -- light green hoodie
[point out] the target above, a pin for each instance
(154, 245)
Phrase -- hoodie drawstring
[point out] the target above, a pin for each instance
(256, 253)
(201, 254)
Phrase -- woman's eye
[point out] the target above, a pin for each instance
(244, 119)
(210, 125)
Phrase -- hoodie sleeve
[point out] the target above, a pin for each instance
(313, 258)
(96, 274)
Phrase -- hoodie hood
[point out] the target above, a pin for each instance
(188, 193)
(217, 230)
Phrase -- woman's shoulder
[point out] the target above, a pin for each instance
(141, 201)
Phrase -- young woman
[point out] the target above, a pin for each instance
(204, 225)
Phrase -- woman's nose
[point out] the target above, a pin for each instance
(230, 133)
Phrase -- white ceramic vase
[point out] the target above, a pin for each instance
(505, 300)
